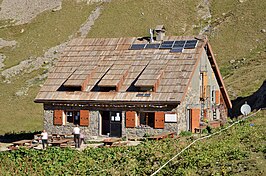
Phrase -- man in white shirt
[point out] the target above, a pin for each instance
(76, 132)
(44, 136)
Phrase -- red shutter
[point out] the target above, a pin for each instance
(204, 84)
(159, 120)
(84, 117)
(195, 119)
(217, 96)
(58, 117)
(130, 119)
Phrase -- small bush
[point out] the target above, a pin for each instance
(209, 129)
(146, 135)
(185, 133)
(204, 131)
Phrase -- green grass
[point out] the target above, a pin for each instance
(237, 33)
(239, 36)
(45, 31)
(20, 113)
(248, 79)
(240, 150)
(123, 18)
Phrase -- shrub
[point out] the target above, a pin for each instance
(185, 133)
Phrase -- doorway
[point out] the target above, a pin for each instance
(111, 123)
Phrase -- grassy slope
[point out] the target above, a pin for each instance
(239, 36)
(240, 150)
(42, 33)
(236, 36)
(237, 33)
(46, 30)
(135, 17)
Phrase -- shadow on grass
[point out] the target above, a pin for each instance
(11, 137)
(256, 101)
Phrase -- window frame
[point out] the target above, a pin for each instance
(74, 113)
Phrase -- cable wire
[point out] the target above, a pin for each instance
(202, 139)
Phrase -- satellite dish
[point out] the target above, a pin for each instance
(245, 109)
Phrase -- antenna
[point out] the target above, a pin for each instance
(245, 109)
(151, 32)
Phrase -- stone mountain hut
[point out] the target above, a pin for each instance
(129, 87)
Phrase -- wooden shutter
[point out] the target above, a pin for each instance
(84, 117)
(217, 96)
(205, 114)
(204, 84)
(159, 120)
(195, 119)
(58, 117)
(130, 119)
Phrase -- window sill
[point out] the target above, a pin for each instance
(143, 127)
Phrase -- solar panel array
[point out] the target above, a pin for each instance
(176, 46)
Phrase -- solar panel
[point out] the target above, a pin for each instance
(179, 43)
(167, 44)
(177, 50)
(137, 46)
(190, 44)
(152, 46)
(143, 95)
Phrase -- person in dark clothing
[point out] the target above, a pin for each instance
(76, 132)
(44, 136)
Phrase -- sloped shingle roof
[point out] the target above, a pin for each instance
(109, 62)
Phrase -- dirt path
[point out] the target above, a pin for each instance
(47, 60)
(204, 14)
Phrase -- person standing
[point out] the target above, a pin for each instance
(82, 139)
(44, 136)
(76, 132)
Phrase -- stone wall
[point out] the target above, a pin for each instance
(144, 131)
(191, 100)
(89, 132)
(94, 128)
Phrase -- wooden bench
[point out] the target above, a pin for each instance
(199, 129)
(110, 141)
(170, 134)
(162, 136)
(22, 143)
(156, 137)
(119, 144)
(12, 147)
(60, 142)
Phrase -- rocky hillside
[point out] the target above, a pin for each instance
(32, 35)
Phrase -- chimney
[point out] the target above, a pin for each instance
(160, 32)
(151, 33)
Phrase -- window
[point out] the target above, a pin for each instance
(72, 117)
(63, 117)
(115, 116)
(214, 116)
(212, 98)
(147, 119)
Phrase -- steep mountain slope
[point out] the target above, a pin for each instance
(238, 37)
(20, 81)
(236, 30)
